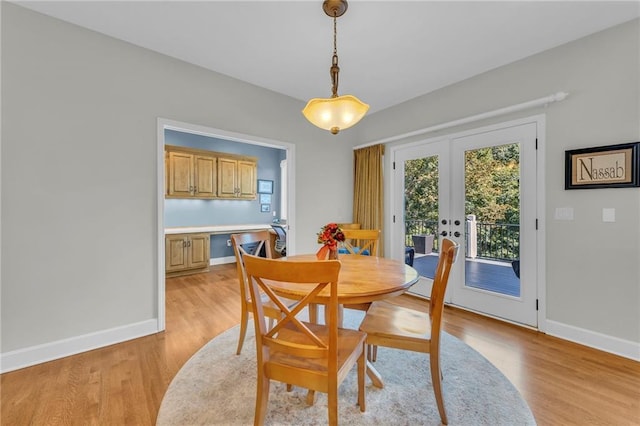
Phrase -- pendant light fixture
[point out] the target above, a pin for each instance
(337, 112)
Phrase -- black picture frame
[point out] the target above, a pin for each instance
(265, 186)
(610, 166)
(264, 208)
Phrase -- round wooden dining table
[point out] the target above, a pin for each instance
(362, 279)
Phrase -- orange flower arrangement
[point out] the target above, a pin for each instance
(329, 236)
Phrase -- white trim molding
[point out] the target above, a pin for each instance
(33, 355)
(593, 339)
(222, 260)
(544, 101)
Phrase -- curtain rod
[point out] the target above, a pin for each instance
(556, 97)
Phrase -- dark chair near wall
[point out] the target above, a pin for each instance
(409, 255)
(516, 267)
(281, 240)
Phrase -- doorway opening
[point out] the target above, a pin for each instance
(165, 125)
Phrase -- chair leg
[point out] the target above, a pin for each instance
(437, 385)
(313, 313)
(262, 400)
(332, 398)
(362, 372)
(372, 352)
(340, 315)
(311, 397)
(244, 319)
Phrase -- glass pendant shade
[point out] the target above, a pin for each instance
(336, 113)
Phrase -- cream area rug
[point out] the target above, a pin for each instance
(217, 387)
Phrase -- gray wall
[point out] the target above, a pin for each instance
(593, 268)
(79, 190)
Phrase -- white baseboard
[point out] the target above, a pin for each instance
(222, 260)
(33, 355)
(614, 345)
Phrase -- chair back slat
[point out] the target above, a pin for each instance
(344, 226)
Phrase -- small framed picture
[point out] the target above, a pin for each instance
(265, 186)
(265, 208)
(265, 198)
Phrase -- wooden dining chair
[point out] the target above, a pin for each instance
(344, 226)
(361, 241)
(395, 326)
(252, 243)
(313, 356)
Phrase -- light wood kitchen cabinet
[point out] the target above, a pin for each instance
(236, 178)
(197, 173)
(191, 175)
(186, 254)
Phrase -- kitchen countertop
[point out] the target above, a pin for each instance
(216, 229)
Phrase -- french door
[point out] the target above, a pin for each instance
(478, 189)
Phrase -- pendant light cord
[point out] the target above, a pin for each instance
(335, 69)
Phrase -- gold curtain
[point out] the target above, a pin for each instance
(368, 196)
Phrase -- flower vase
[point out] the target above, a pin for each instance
(327, 253)
(333, 254)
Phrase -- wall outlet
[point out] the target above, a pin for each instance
(228, 243)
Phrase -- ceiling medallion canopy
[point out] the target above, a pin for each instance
(337, 112)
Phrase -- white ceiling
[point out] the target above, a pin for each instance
(390, 51)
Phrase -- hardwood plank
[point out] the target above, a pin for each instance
(564, 383)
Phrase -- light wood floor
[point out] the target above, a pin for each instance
(563, 383)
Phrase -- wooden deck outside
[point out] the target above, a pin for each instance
(487, 275)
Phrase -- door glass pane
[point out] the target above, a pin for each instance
(421, 182)
(492, 209)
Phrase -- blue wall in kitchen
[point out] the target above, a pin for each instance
(185, 212)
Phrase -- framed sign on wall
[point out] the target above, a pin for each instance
(612, 166)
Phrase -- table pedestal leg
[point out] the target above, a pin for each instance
(373, 374)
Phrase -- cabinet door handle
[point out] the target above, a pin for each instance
(189, 243)
(184, 243)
